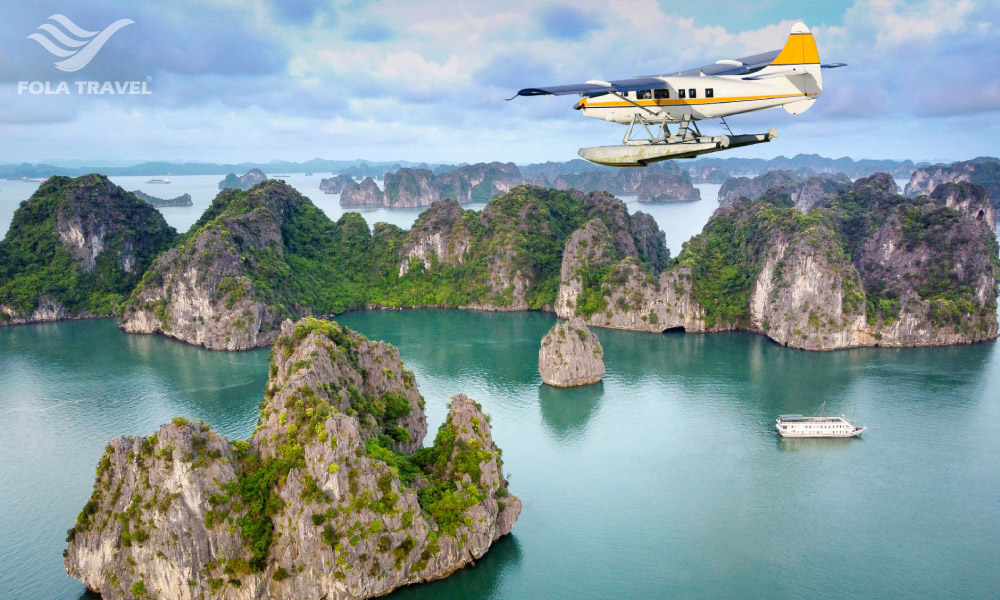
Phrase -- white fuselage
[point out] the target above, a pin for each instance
(705, 97)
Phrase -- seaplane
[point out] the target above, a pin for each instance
(790, 78)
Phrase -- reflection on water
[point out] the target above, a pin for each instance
(503, 352)
(478, 582)
(818, 444)
(567, 411)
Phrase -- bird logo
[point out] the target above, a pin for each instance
(75, 45)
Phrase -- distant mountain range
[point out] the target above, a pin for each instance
(316, 165)
(702, 170)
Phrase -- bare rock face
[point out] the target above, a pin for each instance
(909, 273)
(200, 292)
(440, 235)
(807, 294)
(324, 501)
(818, 189)
(365, 194)
(630, 297)
(930, 268)
(571, 355)
(973, 201)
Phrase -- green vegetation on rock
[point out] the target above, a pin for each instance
(80, 244)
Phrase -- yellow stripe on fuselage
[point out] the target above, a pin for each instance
(800, 49)
(682, 102)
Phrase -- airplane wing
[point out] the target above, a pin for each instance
(741, 66)
(738, 66)
(595, 88)
(748, 65)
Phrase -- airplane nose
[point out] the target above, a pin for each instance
(579, 104)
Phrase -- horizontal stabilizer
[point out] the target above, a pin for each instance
(833, 65)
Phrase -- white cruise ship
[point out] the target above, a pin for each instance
(798, 426)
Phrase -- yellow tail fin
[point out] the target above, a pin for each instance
(800, 49)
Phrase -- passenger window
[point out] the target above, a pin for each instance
(644, 94)
(661, 94)
(710, 92)
(692, 93)
(680, 93)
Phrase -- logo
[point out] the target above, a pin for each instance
(74, 44)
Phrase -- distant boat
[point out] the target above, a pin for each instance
(798, 426)
(277, 176)
(158, 180)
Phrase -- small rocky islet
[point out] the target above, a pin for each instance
(332, 496)
(571, 355)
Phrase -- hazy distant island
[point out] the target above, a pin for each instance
(182, 200)
(701, 170)
(243, 182)
(414, 188)
(336, 185)
(817, 263)
(332, 496)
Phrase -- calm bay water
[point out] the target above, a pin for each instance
(665, 480)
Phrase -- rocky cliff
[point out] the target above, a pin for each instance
(440, 235)
(254, 258)
(507, 256)
(571, 355)
(823, 277)
(366, 194)
(326, 500)
(76, 249)
(982, 172)
(868, 267)
(243, 182)
(337, 184)
(182, 200)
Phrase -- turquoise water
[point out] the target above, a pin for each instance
(663, 481)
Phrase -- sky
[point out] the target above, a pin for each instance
(258, 80)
